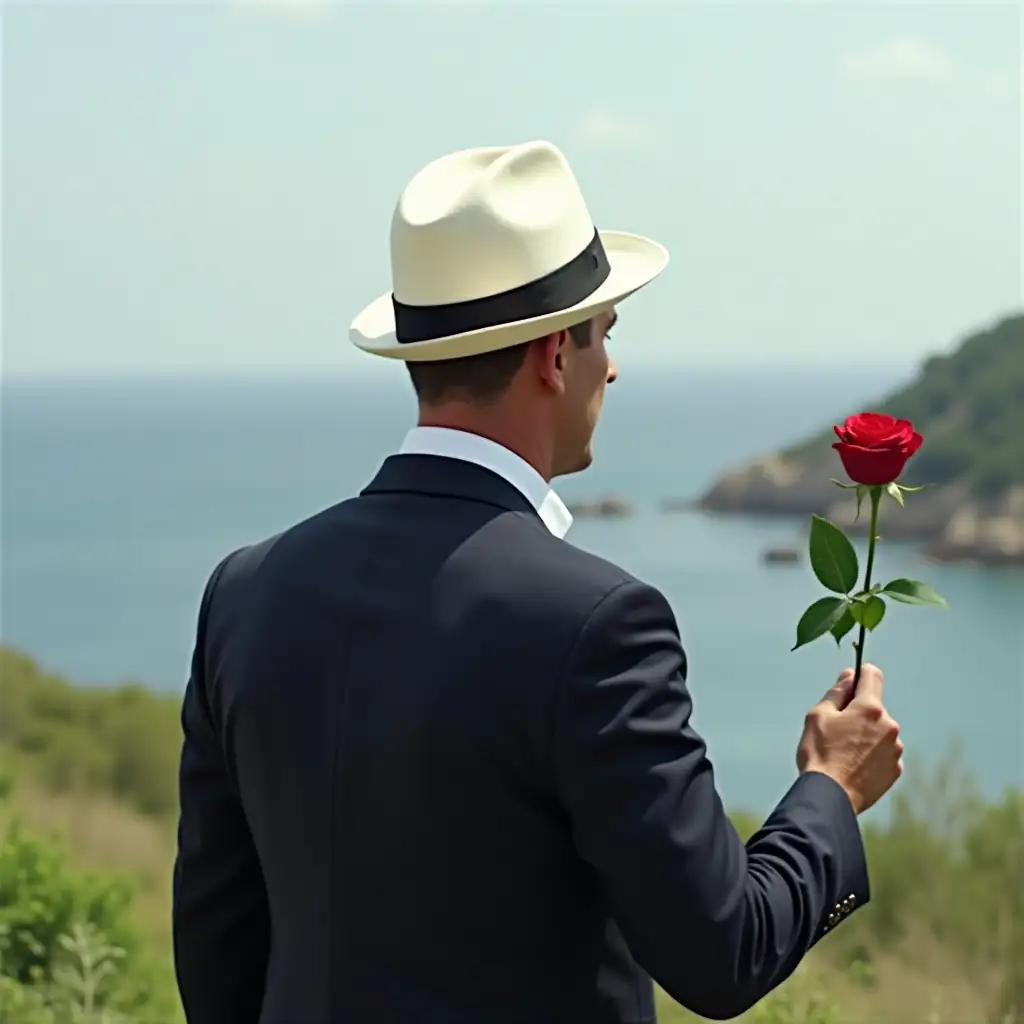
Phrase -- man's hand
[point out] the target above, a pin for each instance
(850, 737)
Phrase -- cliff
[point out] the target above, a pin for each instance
(969, 407)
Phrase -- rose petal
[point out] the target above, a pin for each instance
(906, 430)
(876, 430)
(871, 466)
(869, 428)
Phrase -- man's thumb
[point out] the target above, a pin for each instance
(842, 691)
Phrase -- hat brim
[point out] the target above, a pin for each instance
(635, 261)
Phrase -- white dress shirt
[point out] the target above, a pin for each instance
(460, 444)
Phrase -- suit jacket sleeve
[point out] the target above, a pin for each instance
(716, 923)
(220, 912)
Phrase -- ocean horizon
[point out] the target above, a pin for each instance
(120, 495)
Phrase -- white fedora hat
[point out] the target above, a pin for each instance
(494, 247)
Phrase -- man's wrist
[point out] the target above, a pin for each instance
(851, 794)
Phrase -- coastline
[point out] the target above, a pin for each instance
(949, 521)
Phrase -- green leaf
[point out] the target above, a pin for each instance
(913, 592)
(832, 557)
(893, 489)
(819, 619)
(913, 490)
(842, 627)
(869, 612)
(845, 487)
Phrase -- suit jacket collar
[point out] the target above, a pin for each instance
(471, 449)
(447, 477)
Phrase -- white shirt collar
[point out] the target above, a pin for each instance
(460, 444)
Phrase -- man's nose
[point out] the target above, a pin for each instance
(613, 371)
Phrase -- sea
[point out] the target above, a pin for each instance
(119, 496)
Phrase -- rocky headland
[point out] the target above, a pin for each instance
(969, 406)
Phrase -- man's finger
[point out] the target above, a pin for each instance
(870, 684)
(841, 692)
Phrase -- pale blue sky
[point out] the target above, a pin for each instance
(197, 188)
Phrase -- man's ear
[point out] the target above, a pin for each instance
(551, 357)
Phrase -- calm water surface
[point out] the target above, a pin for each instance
(119, 498)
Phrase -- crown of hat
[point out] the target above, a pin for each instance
(480, 222)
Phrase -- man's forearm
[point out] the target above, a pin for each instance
(801, 875)
(807, 873)
(718, 923)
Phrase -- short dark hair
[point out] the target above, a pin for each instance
(478, 379)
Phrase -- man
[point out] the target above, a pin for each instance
(438, 763)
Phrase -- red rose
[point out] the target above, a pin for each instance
(875, 447)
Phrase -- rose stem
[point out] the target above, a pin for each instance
(876, 496)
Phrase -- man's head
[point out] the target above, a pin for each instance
(490, 246)
(542, 398)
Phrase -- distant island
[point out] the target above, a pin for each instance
(969, 407)
(611, 506)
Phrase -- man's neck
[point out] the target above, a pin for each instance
(530, 450)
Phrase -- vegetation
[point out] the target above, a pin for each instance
(84, 937)
(123, 742)
(969, 405)
(69, 948)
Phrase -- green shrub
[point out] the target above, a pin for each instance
(63, 934)
(40, 900)
(79, 991)
(123, 741)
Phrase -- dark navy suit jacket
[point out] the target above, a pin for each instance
(438, 768)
